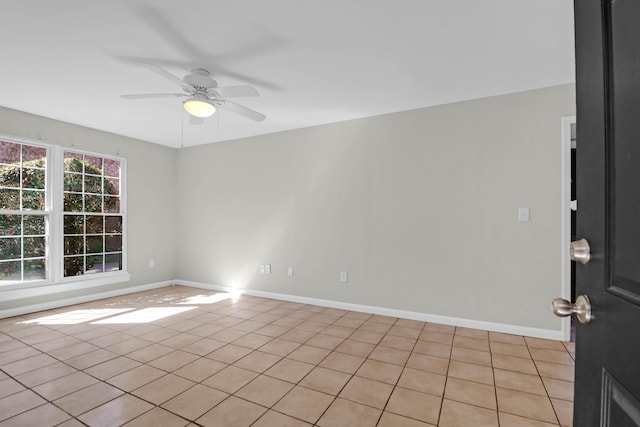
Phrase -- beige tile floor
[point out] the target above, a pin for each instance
(181, 356)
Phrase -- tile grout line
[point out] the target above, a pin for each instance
(404, 366)
(244, 312)
(493, 375)
(543, 384)
(446, 376)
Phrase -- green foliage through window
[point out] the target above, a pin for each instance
(23, 181)
(92, 219)
(91, 193)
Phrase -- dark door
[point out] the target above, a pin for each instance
(607, 385)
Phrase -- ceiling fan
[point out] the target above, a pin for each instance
(203, 94)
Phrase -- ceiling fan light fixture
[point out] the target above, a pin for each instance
(199, 106)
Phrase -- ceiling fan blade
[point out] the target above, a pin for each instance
(165, 28)
(198, 58)
(152, 95)
(243, 111)
(167, 75)
(259, 40)
(208, 63)
(237, 91)
(219, 70)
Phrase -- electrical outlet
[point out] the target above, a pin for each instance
(152, 263)
(290, 271)
(344, 277)
(523, 214)
(267, 268)
(263, 268)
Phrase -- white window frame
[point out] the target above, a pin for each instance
(54, 211)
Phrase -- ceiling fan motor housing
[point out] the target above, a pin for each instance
(200, 79)
(204, 95)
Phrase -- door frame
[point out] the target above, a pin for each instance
(565, 194)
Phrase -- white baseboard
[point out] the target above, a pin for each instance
(424, 317)
(18, 311)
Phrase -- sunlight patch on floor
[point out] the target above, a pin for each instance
(206, 299)
(76, 316)
(145, 315)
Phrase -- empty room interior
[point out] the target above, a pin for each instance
(285, 213)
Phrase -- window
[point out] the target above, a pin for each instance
(92, 217)
(23, 217)
(59, 219)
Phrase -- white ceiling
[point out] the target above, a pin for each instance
(313, 62)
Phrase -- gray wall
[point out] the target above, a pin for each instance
(150, 195)
(419, 207)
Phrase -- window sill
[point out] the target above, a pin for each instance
(35, 289)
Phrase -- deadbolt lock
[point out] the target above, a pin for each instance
(580, 251)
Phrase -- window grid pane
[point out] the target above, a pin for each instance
(92, 243)
(23, 222)
(23, 243)
(22, 176)
(91, 183)
(92, 234)
(92, 219)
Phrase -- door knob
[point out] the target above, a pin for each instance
(582, 308)
(580, 251)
